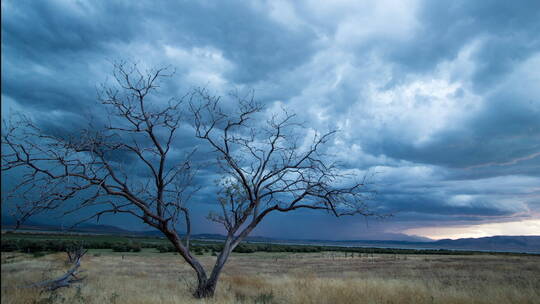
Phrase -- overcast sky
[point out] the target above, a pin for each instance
(440, 98)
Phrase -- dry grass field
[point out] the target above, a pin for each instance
(148, 277)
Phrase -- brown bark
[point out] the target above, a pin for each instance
(205, 288)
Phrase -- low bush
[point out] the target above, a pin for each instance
(121, 247)
(243, 249)
(9, 245)
(135, 247)
(165, 248)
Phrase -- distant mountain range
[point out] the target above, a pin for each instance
(530, 244)
(10, 223)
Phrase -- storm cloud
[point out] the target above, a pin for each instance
(439, 101)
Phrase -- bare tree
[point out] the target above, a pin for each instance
(269, 167)
(131, 166)
(71, 275)
(74, 253)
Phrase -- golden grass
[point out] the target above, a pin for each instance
(282, 278)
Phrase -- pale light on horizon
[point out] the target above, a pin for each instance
(525, 227)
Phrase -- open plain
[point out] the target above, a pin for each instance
(325, 277)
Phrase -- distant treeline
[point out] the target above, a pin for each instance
(33, 245)
(56, 245)
(55, 242)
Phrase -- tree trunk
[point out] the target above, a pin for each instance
(205, 288)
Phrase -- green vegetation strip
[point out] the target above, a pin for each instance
(54, 242)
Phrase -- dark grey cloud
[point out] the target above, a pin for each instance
(256, 44)
(503, 133)
(71, 42)
(442, 102)
(506, 31)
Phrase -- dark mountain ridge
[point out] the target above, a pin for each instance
(530, 244)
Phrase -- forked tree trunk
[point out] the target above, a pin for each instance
(207, 287)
